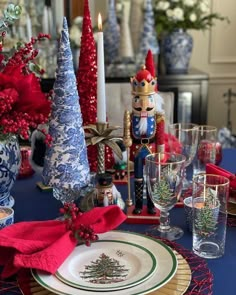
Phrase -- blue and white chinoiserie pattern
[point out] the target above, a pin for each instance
(177, 50)
(148, 40)
(10, 160)
(111, 34)
(66, 166)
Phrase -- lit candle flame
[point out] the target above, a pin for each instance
(99, 22)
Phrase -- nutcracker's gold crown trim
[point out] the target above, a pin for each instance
(143, 83)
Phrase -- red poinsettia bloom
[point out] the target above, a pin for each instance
(30, 98)
(23, 105)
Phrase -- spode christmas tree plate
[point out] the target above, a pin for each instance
(166, 267)
(107, 265)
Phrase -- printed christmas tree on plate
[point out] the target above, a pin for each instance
(104, 270)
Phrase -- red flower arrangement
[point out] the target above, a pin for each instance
(23, 105)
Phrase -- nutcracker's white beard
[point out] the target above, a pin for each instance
(143, 125)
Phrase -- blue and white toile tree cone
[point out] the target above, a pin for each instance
(66, 167)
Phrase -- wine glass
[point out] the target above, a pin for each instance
(183, 139)
(164, 173)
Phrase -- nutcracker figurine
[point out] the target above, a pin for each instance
(106, 192)
(104, 196)
(143, 128)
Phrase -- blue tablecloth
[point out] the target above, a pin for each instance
(33, 204)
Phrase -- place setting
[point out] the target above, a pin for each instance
(162, 269)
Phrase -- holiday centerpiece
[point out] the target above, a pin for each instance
(23, 105)
(173, 19)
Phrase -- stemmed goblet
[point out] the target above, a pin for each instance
(164, 173)
(183, 139)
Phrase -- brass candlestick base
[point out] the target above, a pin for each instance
(128, 142)
(99, 134)
(101, 159)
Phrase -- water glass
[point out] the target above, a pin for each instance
(183, 139)
(188, 213)
(206, 149)
(47, 57)
(209, 213)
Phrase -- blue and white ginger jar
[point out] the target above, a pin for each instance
(177, 51)
(10, 161)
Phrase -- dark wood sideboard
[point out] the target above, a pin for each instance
(192, 96)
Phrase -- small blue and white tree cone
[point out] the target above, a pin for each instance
(148, 38)
(111, 34)
(66, 167)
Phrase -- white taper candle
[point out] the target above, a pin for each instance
(101, 93)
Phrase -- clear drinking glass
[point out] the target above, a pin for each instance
(209, 213)
(183, 139)
(164, 173)
(206, 148)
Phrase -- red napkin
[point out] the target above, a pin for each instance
(213, 169)
(45, 245)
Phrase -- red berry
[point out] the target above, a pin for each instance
(62, 210)
(88, 243)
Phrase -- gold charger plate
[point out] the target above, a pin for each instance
(176, 286)
(231, 208)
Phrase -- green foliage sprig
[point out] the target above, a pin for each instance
(10, 14)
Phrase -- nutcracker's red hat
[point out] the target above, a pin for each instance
(145, 82)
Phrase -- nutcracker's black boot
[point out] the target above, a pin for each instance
(138, 190)
(150, 206)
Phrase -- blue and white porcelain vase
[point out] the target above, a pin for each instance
(10, 160)
(177, 50)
